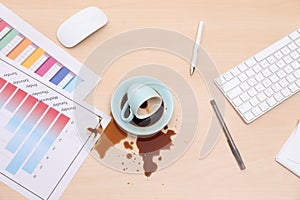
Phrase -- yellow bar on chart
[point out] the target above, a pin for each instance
(33, 58)
(21, 47)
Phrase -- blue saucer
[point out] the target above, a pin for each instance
(165, 113)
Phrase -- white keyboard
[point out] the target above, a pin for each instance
(266, 79)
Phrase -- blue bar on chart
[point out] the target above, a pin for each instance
(6, 93)
(32, 141)
(26, 127)
(46, 143)
(20, 114)
(73, 83)
(60, 75)
(15, 100)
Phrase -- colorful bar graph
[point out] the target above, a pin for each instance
(18, 50)
(42, 70)
(3, 24)
(32, 141)
(73, 83)
(26, 127)
(2, 82)
(20, 114)
(8, 38)
(60, 75)
(46, 143)
(33, 58)
(6, 93)
(16, 100)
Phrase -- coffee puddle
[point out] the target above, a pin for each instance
(147, 148)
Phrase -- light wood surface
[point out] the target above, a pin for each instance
(234, 30)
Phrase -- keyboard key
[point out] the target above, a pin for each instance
(298, 83)
(230, 84)
(259, 77)
(291, 78)
(294, 35)
(259, 87)
(271, 59)
(271, 102)
(272, 48)
(252, 82)
(280, 64)
(254, 101)
(228, 76)
(267, 83)
(285, 51)
(274, 78)
(252, 92)
(245, 97)
(220, 80)
(297, 73)
(237, 101)
(281, 74)
(242, 67)
(292, 46)
(288, 69)
(295, 64)
(235, 71)
(288, 59)
(256, 111)
(261, 97)
(286, 92)
(249, 116)
(269, 92)
(250, 72)
(264, 63)
(257, 68)
(273, 68)
(242, 77)
(276, 87)
(298, 42)
(293, 87)
(283, 82)
(278, 55)
(264, 106)
(245, 86)
(295, 55)
(234, 92)
(250, 62)
(266, 72)
(245, 107)
(278, 97)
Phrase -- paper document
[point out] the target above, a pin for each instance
(39, 57)
(289, 155)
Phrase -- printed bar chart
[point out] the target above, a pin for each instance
(35, 127)
(23, 51)
(46, 143)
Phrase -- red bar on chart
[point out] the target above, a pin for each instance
(2, 82)
(42, 70)
(6, 93)
(3, 24)
(15, 100)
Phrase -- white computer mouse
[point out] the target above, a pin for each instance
(79, 26)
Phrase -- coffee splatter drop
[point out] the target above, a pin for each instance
(151, 147)
(111, 136)
(127, 145)
(159, 158)
(129, 156)
(131, 142)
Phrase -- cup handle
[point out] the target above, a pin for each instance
(130, 117)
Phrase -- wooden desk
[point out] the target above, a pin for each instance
(233, 31)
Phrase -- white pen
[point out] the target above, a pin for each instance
(196, 47)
